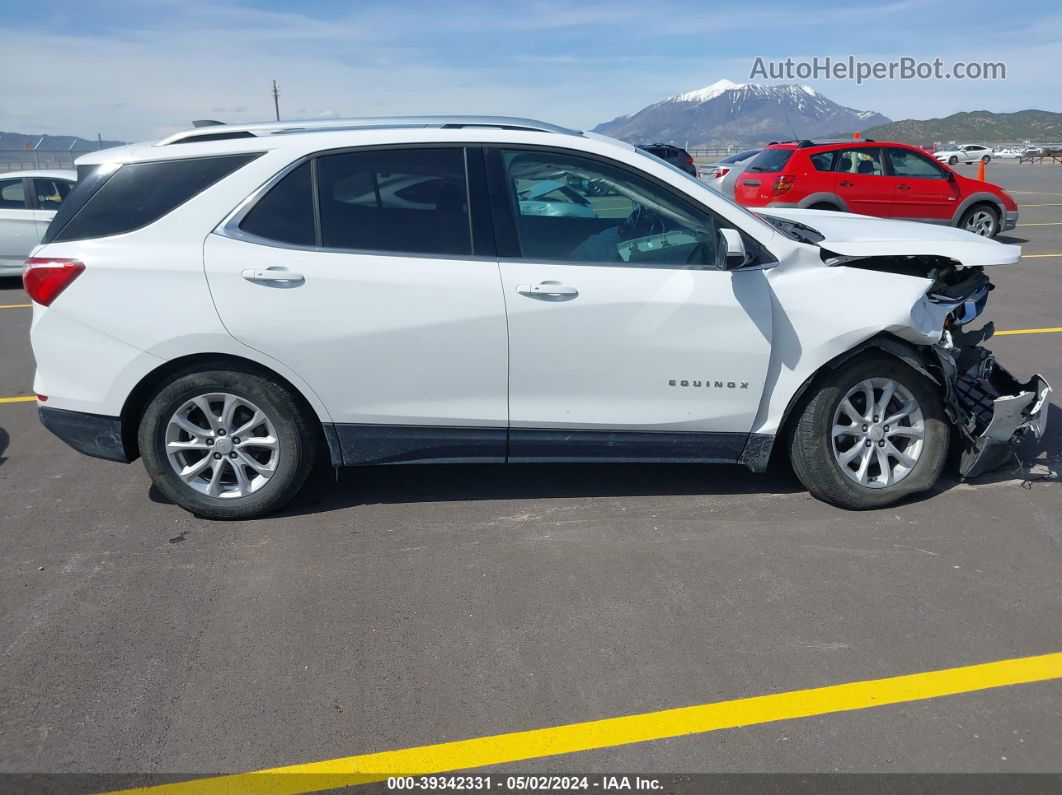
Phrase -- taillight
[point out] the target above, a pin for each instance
(689, 160)
(46, 277)
(784, 183)
(721, 172)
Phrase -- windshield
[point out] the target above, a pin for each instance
(740, 156)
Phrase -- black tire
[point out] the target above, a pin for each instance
(810, 445)
(986, 159)
(952, 160)
(992, 212)
(297, 435)
(826, 206)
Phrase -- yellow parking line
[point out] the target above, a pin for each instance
(1030, 331)
(611, 732)
(19, 399)
(16, 306)
(1039, 256)
(1056, 204)
(1048, 223)
(1034, 193)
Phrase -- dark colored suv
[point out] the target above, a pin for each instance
(889, 180)
(675, 155)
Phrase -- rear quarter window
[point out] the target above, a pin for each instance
(135, 195)
(770, 160)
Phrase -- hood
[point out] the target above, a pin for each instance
(858, 236)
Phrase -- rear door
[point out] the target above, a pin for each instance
(862, 181)
(623, 344)
(18, 227)
(359, 270)
(924, 191)
(47, 195)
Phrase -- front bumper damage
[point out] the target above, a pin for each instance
(992, 410)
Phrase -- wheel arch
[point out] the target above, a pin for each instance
(975, 199)
(760, 447)
(137, 400)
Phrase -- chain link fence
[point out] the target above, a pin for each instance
(24, 159)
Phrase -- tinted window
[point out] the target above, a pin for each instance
(822, 161)
(285, 213)
(402, 200)
(909, 164)
(770, 160)
(740, 156)
(576, 209)
(50, 192)
(12, 194)
(865, 161)
(138, 194)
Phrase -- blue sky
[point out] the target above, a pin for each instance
(139, 69)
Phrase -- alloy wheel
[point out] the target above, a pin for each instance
(878, 433)
(980, 222)
(222, 445)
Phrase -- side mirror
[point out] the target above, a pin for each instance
(950, 175)
(730, 250)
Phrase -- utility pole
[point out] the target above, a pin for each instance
(276, 99)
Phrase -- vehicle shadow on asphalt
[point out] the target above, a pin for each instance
(1010, 240)
(5, 440)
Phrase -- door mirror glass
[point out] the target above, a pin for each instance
(730, 250)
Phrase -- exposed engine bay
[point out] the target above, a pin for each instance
(991, 409)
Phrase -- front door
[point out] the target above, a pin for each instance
(923, 190)
(359, 272)
(623, 342)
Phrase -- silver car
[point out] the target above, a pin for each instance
(28, 201)
(722, 176)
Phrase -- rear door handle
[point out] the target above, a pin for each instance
(258, 275)
(546, 289)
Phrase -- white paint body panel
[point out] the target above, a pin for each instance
(606, 358)
(382, 339)
(22, 229)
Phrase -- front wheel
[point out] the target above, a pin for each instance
(227, 444)
(952, 160)
(869, 434)
(981, 220)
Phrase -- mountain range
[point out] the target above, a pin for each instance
(52, 143)
(740, 114)
(1038, 126)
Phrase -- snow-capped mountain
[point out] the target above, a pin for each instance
(739, 113)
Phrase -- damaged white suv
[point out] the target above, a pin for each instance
(236, 303)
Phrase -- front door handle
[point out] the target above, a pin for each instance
(547, 289)
(845, 183)
(903, 187)
(270, 275)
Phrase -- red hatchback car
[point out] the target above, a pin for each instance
(871, 178)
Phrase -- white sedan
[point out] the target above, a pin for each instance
(967, 153)
(28, 201)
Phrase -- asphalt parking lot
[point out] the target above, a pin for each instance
(405, 607)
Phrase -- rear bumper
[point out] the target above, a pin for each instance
(92, 434)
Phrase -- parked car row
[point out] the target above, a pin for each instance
(28, 201)
(386, 291)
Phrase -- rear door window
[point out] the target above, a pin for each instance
(136, 195)
(770, 161)
(395, 200)
(12, 194)
(822, 161)
(50, 193)
(865, 161)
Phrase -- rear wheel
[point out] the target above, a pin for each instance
(227, 444)
(869, 433)
(986, 159)
(982, 220)
(826, 206)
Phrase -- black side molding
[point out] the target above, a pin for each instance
(92, 434)
(532, 445)
(409, 444)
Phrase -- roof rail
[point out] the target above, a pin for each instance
(218, 131)
(805, 143)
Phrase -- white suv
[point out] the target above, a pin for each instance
(235, 303)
